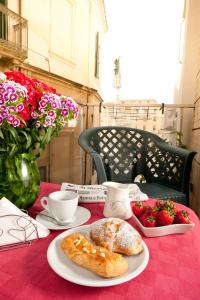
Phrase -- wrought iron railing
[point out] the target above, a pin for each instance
(13, 33)
(163, 120)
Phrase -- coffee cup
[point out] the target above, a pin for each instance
(61, 205)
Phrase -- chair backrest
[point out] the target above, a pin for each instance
(126, 152)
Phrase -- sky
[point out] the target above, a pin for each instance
(145, 34)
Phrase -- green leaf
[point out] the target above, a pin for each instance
(28, 139)
(1, 134)
(70, 115)
(13, 149)
(46, 139)
(14, 133)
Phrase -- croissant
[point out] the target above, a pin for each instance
(96, 259)
(116, 235)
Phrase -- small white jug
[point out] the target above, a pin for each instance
(118, 202)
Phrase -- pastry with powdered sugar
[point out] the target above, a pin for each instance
(116, 235)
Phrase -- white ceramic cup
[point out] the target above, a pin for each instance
(61, 205)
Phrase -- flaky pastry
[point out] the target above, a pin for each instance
(97, 259)
(116, 235)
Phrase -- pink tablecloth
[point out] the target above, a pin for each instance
(173, 271)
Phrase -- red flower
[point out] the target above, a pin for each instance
(32, 84)
(25, 114)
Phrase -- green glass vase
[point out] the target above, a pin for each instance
(19, 179)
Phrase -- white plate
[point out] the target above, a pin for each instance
(64, 267)
(82, 215)
(163, 230)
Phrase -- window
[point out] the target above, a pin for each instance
(3, 23)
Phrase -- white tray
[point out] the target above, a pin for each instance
(163, 230)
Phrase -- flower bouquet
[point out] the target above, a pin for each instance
(31, 113)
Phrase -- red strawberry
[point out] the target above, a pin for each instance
(151, 211)
(148, 220)
(142, 217)
(169, 204)
(182, 217)
(159, 204)
(147, 209)
(165, 217)
(155, 211)
(138, 208)
(175, 209)
(165, 204)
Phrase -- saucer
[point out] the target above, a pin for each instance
(82, 215)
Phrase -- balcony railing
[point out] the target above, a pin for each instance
(163, 120)
(13, 34)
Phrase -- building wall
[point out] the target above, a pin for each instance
(190, 92)
(62, 52)
(62, 36)
(195, 196)
(188, 63)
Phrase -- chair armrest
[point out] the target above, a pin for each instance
(177, 160)
(172, 149)
(99, 165)
(101, 174)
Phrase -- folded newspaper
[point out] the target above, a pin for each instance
(98, 193)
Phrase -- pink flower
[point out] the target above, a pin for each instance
(37, 124)
(2, 107)
(51, 114)
(6, 97)
(34, 115)
(13, 97)
(47, 122)
(4, 114)
(16, 122)
(43, 104)
(65, 112)
(20, 107)
(54, 104)
(10, 119)
(10, 89)
(33, 106)
(12, 108)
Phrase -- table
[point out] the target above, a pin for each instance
(173, 271)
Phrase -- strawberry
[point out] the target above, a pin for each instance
(138, 208)
(159, 204)
(148, 220)
(147, 209)
(182, 217)
(155, 211)
(165, 204)
(169, 204)
(142, 217)
(151, 211)
(165, 217)
(175, 209)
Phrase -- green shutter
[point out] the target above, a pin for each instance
(3, 22)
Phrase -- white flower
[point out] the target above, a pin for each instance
(2, 76)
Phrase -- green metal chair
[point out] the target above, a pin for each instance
(121, 153)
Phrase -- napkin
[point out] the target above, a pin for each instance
(98, 193)
(18, 227)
